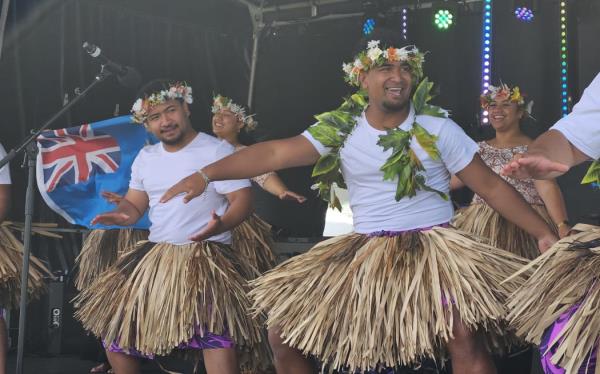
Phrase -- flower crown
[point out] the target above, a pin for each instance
(503, 92)
(142, 106)
(224, 103)
(375, 56)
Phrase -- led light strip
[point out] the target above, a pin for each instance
(404, 23)
(486, 66)
(564, 64)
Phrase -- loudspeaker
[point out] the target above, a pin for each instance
(55, 309)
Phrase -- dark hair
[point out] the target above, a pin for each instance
(386, 37)
(154, 86)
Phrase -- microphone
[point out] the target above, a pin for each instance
(126, 75)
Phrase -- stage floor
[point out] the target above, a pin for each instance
(66, 364)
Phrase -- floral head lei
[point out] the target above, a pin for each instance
(225, 103)
(503, 92)
(375, 56)
(143, 106)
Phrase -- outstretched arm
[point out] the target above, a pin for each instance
(247, 163)
(506, 200)
(130, 209)
(275, 186)
(548, 157)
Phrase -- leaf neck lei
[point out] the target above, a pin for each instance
(593, 175)
(333, 129)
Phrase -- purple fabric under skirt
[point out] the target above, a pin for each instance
(201, 340)
(589, 364)
(389, 234)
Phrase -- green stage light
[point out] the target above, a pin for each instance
(443, 19)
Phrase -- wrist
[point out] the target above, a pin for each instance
(205, 177)
(562, 224)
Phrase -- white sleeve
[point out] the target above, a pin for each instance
(581, 127)
(136, 182)
(317, 144)
(456, 148)
(223, 150)
(5, 171)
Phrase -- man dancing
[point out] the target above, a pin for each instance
(404, 286)
(184, 288)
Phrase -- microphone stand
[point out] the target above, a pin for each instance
(30, 149)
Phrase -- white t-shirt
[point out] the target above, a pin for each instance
(582, 126)
(5, 171)
(155, 170)
(372, 199)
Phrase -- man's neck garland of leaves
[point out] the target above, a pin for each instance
(593, 174)
(403, 165)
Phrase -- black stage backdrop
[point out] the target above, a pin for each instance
(208, 44)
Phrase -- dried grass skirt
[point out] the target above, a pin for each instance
(558, 307)
(101, 249)
(11, 263)
(483, 221)
(365, 302)
(252, 238)
(156, 296)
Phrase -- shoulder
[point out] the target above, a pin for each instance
(440, 126)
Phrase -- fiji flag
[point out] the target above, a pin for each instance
(76, 164)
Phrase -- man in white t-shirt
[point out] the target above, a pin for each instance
(4, 206)
(574, 139)
(377, 211)
(164, 110)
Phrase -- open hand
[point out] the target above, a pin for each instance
(111, 197)
(527, 165)
(545, 242)
(111, 219)
(213, 228)
(290, 195)
(192, 186)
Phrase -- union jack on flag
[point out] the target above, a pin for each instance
(73, 155)
(74, 166)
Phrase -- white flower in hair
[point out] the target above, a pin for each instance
(358, 64)
(137, 106)
(373, 44)
(374, 53)
(347, 68)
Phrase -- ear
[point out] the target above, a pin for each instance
(186, 109)
(240, 125)
(362, 79)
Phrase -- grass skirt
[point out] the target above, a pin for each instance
(564, 290)
(156, 295)
(252, 238)
(11, 264)
(483, 221)
(364, 302)
(101, 249)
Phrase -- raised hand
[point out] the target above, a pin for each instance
(192, 186)
(213, 228)
(537, 166)
(290, 195)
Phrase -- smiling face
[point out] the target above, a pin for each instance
(170, 122)
(504, 114)
(225, 124)
(389, 86)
